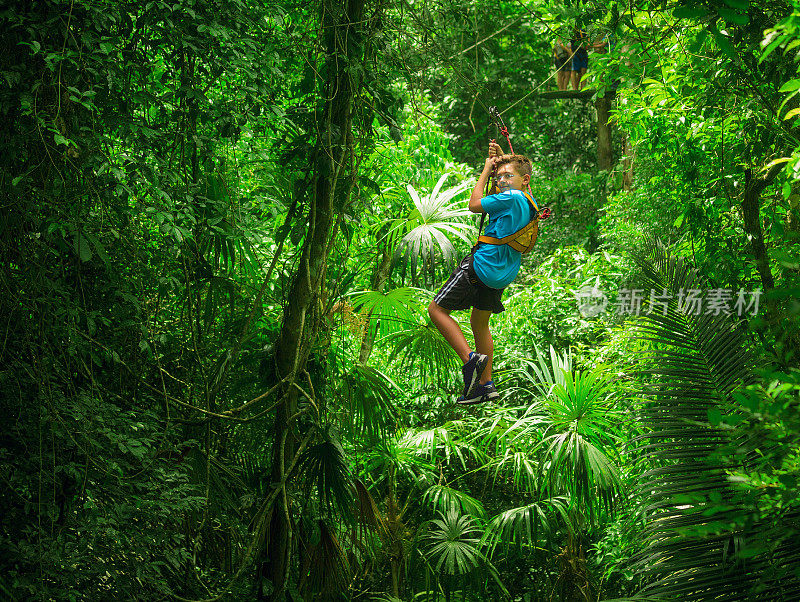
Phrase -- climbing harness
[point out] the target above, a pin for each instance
(523, 239)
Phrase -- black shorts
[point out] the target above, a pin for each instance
(464, 290)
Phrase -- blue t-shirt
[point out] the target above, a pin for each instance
(497, 265)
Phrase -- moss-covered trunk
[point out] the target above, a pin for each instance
(333, 165)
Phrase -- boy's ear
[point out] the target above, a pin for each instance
(526, 179)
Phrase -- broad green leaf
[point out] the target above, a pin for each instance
(99, 249)
(790, 86)
(733, 16)
(82, 247)
(714, 416)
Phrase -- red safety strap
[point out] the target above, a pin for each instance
(544, 213)
(498, 121)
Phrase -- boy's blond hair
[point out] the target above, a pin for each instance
(520, 163)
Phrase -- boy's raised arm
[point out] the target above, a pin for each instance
(480, 186)
(488, 167)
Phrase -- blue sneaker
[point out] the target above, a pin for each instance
(490, 391)
(472, 371)
(481, 394)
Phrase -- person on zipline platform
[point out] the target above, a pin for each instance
(478, 280)
(580, 57)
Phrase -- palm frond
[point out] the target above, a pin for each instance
(581, 401)
(520, 467)
(510, 429)
(425, 230)
(422, 348)
(579, 467)
(448, 440)
(541, 375)
(325, 465)
(444, 498)
(438, 186)
(367, 513)
(391, 457)
(693, 513)
(552, 374)
(325, 568)
(367, 406)
(573, 425)
(452, 543)
(389, 311)
(522, 526)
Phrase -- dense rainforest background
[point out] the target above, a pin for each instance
(222, 222)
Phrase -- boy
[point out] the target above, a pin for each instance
(479, 279)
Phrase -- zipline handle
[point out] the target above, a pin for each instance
(498, 121)
(545, 212)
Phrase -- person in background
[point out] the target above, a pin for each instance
(603, 43)
(563, 63)
(580, 56)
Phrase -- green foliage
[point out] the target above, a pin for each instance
(89, 507)
(424, 231)
(576, 202)
(453, 543)
(522, 525)
(367, 402)
(542, 307)
(692, 508)
(423, 349)
(389, 311)
(583, 420)
(324, 465)
(160, 169)
(451, 548)
(444, 499)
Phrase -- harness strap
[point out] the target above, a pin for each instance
(491, 188)
(510, 240)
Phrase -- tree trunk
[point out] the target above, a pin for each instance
(333, 161)
(627, 163)
(752, 221)
(787, 334)
(605, 159)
